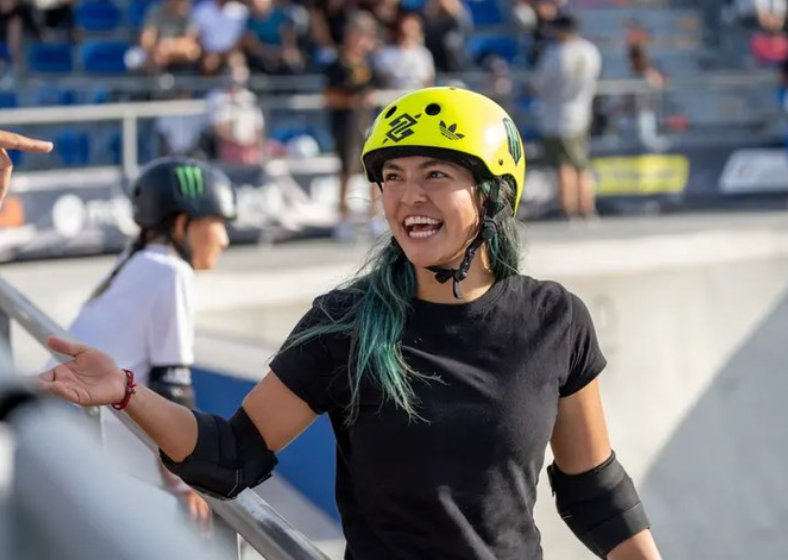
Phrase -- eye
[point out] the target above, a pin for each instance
(390, 176)
(436, 174)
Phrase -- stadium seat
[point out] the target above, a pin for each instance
(8, 100)
(4, 54)
(51, 94)
(50, 58)
(485, 12)
(97, 15)
(136, 12)
(73, 148)
(104, 57)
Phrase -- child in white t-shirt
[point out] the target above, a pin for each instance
(143, 312)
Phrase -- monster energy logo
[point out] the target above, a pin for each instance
(515, 145)
(191, 181)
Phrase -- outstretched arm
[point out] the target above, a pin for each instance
(584, 464)
(14, 141)
(208, 452)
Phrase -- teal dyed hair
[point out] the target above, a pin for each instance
(381, 298)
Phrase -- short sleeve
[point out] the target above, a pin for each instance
(313, 369)
(171, 329)
(586, 360)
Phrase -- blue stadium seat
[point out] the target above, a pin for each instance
(51, 94)
(73, 148)
(5, 55)
(136, 12)
(485, 12)
(16, 157)
(482, 46)
(8, 100)
(50, 58)
(104, 57)
(97, 15)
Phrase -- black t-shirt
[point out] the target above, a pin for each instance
(351, 77)
(460, 484)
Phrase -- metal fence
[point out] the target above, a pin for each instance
(48, 443)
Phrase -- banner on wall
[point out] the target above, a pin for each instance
(77, 212)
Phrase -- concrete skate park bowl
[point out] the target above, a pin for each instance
(692, 314)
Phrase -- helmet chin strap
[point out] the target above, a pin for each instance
(487, 232)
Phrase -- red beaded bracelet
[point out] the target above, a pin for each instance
(131, 388)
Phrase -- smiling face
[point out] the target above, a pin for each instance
(432, 208)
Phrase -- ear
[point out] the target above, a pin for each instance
(179, 226)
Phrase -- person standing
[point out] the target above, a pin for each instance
(565, 81)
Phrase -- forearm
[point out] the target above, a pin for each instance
(171, 426)
(639, 547)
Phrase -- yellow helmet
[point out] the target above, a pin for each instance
(448, 123)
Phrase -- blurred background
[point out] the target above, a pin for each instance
(685, 271)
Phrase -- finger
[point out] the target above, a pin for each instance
(63, 346)
(13, 141)
(5, 173)
(194, 508)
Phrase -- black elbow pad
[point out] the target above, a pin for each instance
(600, 506)
(229, 457)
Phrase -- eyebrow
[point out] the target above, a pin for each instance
(423, 165)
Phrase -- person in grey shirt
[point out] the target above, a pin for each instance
(565, 80)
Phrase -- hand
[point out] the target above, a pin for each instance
(199, 510)
(13, 141)
(92, 378)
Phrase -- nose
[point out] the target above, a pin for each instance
(223, 238)
(413, 192)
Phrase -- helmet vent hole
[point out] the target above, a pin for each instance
(391, 111)
(433, 109)
(500, 162)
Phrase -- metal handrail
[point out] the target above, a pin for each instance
(249, 515)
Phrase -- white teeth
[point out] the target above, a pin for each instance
(419, 220)
(422, 234)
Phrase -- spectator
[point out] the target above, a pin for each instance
(169, 37)
(447, 26)
(236, 124)
(220, 25)
(407, 64)
(644, 105)
(547, 11)
(55, 18)
(769, 45)
(11, 33)
(179, 135)
(565, 81)
(327, 20)
(350, 82)
(270, 43)
(387, 13)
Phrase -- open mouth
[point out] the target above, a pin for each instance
(421, 227)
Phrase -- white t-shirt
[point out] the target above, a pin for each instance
(145, 318)
(411, 68)
(220, 27)
(566, 81)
